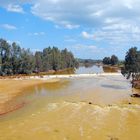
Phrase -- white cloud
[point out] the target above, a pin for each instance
(11, 41)
(86, 35)
(91, 48)
(36, 50)
(76, 13)
(67, 26)
(115, 22)
(71, 26)
(110, 20)
(15, 8)
(4, 3)
(85, 12)
(70, 40)
(89, 51)
(8, 27)
(36, 34)
(115, 34)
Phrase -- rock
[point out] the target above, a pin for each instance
(135, 95)
(90, 103)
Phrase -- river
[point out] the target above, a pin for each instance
(98, 108)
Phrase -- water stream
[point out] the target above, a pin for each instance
(98, 108)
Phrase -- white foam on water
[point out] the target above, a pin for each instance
(52, 106)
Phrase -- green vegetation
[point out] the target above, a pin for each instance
(111, 61)
(88, 62)
(132, 64)
(17, 60)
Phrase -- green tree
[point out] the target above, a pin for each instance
(56, 58)
(27, 62)
(107, 60)
(114, 60)
(132, 63)
(6, 67)
(17, 60)
(38, 61)
(15, 57)
(64, 59)
(47, 59)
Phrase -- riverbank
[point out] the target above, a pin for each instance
(48, 77)
(12, 88)
(110, 68)
(40, 74)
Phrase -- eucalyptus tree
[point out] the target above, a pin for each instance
(15, 52)
(107, 60)
(6, 67)
(132, 64)
(38, 61)
(114, 60)
(17, 60)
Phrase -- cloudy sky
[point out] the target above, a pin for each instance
(89, 28)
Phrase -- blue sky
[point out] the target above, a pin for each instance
(89, 28)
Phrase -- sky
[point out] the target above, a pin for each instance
(89, 28)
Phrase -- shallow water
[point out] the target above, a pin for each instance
(96, 69)
(89, 70)
(97, 108)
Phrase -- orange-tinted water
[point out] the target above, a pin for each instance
(98, 108)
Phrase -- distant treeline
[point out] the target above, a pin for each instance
(88, 62)
(113, 60)
(17, 60)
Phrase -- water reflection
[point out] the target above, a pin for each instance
(108, 69)
(96, 69)
(89, 70)
(113, 86)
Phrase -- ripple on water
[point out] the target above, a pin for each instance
(92, 107)
(118, 87)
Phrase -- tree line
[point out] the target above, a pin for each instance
(17, 60)
(88, 62)
(113, 60)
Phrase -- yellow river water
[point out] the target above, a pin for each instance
(97, 108)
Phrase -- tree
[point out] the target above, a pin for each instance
(47, 59)
(68, 60)
(64, 58)
(56, 59)
(132, 64)
(17, 60)
(38, 61)
(107, 60)
(6, 68)
(114, 60)
(27, 62)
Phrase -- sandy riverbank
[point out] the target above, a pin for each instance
(48, 77)
(12, 88)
